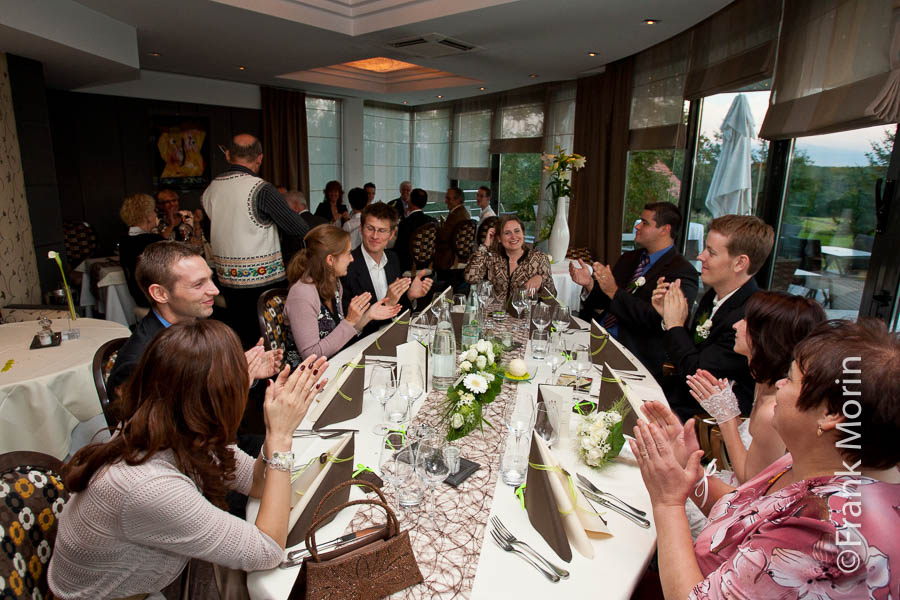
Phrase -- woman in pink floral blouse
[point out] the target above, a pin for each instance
(820, 522)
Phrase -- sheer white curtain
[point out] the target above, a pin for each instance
(559, 130)
(323, 135)
(431, 152)
(386, 155)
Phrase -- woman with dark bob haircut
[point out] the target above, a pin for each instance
(820, 522)
(152, 497)
(332, 207)
(773, 324)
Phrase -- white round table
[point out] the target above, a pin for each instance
(45, 393)
(567, 291)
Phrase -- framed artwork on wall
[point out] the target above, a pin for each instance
(180, 147)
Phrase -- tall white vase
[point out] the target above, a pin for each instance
(559, 234)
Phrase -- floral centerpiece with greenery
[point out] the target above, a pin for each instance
(560, 166)
(599, 435)
(478, 384)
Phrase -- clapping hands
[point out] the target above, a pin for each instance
(262, 364)
(670, 302)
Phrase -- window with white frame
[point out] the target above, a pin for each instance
(323, 134)
(386, 155)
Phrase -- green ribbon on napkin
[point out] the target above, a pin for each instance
(338, 376)
(387, 438)
(572, 496)
(578, 406)
(328, 458)
(605, 339)
(8, 365)
(520, 492)
(361, 468)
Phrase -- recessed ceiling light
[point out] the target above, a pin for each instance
(242, 68)
(533, 75)
(405, 102)
(438, 96)
(153, 53)
(592, 54)
(482, 88)
(651, 21)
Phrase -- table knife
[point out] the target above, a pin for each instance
(589, 484)
(295, 557)
(641, 521)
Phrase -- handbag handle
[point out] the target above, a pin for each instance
(393, 526)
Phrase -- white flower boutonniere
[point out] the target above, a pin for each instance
(702, 330)
(636, 284)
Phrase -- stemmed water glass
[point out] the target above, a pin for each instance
(432, 467)
(581, 363)
(561, 318)
(556, 357)
(410, 384)
(393, 470)
(519, 303)
(540, 316)
(531, 297)
(485, 293)
(382, 387)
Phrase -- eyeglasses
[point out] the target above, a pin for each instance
(370, 230)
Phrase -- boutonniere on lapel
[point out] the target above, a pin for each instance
(636, 284)
(704, 324)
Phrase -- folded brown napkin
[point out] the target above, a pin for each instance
(541, 506)
(392, 336)
(347, 402)
(338, 471)
(604, 350)
(610, 393)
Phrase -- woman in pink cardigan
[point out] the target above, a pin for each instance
(313, 305)
(153, 497)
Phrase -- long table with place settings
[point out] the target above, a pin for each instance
(461, 560)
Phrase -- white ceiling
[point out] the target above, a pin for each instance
(551, 39)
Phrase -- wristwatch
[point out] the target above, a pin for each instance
(280, 461)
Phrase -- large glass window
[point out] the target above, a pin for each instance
(828, 218)
(431, 155)
(652, 176)
(520, 188)
(323, 135)
(386, 156)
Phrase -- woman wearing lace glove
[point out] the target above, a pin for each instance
(714, 395)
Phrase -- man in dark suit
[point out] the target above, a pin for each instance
(619, 298)
(418, 198)
(376, 270)
(176, 279)
(736, 248)
(290, 244)
(401, 204)
(444, 255)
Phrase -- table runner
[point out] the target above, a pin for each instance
(448, 558)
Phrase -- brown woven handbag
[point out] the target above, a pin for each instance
(375, 566)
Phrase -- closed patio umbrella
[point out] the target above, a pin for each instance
(729, 192)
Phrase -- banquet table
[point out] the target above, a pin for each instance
(460, 560)
(103, 288)
(47, 392)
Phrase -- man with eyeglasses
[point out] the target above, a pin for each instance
(376, 270)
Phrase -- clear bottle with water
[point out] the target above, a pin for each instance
(443, 351)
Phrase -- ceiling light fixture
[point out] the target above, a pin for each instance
(242, 68)
(592, 54)
(154, 54)
(405, 102)
(533, 76)
(482, 88)
(438, 96)
(380, 64)
(651, 21)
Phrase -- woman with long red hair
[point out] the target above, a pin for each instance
(153, 497)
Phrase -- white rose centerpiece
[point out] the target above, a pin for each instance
(477, 385)
(599, 436)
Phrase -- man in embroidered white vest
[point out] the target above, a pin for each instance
(246, 213)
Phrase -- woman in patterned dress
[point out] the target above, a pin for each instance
(313, 304)
(511, 265)
(820, 522)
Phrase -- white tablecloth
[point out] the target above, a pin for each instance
(619, 561)
(115, 300)
(47, 392)
(567, 291)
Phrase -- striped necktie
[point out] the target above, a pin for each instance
(610, 319)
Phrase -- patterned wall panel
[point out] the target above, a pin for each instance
(18, 266)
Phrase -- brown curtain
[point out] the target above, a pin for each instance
(838, 68)
(602, 106)
(285, 151)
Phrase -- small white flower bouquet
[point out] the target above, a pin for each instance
(478, 385)
(599, 435)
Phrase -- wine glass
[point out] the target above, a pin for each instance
(556, 357)
(382, 386)
(432, 468)
(485, 293)
(519, 304)
(519, 418)
(393, 471)
(561, 318)
(581, 364)
(531, 297)
(540, 316)
(410, 383)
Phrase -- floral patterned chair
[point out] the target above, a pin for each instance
(32, 496)
(421, 246)
(274, 325)
(104, 360)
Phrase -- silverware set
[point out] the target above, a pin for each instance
(612, 502)
(508, 542)
(629, 376)
(325, 434)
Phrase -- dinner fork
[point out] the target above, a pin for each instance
(504, 545)
(509, 537)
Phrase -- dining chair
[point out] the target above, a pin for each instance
(29, 519)
(421, 246)
(274, 326)
(484, 227)
(104, 360)
(463, 240)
